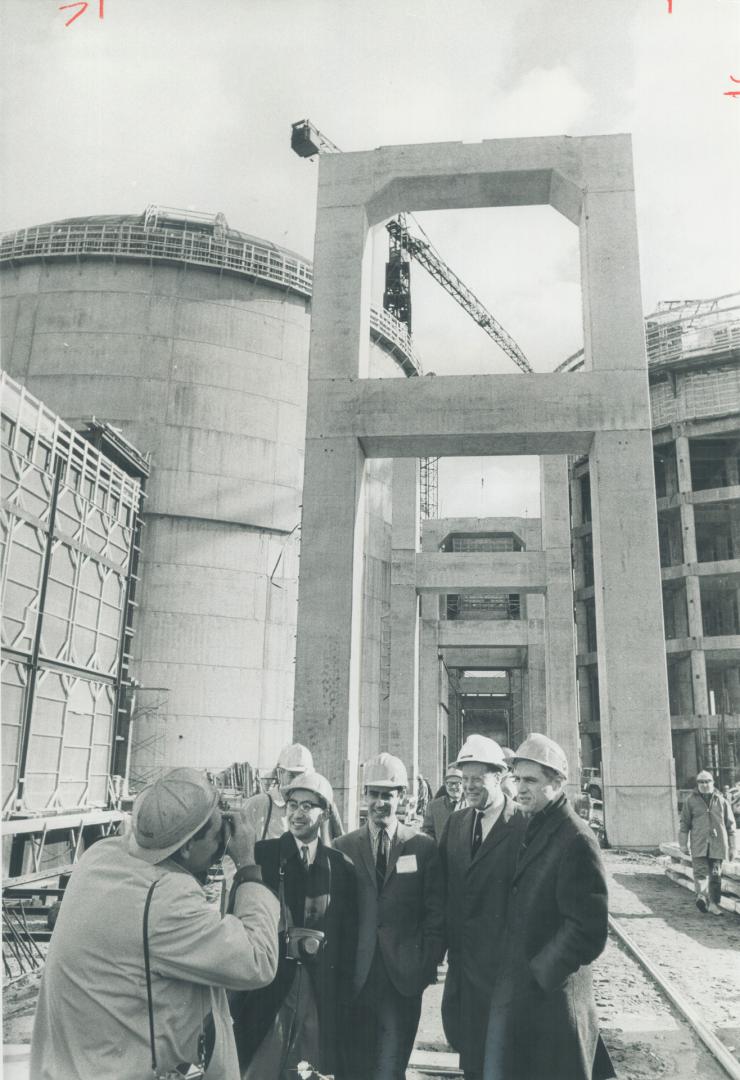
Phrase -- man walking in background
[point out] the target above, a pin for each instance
(707, 819)
(400, 926)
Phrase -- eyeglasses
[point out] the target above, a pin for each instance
(292, 805)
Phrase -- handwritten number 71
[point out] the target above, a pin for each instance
(82, 6)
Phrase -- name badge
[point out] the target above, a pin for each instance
(406, 864)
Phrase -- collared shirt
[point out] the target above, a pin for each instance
(489, 817)
(375, 834)
(312, 845)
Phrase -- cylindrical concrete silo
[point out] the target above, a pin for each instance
(192, 338)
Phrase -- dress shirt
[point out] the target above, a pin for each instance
(311, 845)
(375, 835)
(489, 817)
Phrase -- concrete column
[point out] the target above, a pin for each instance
(699, 687)
(560, 645)
(683, 463)
(430, 673)
(403, 706)
(327, 683)
(633, 686)
(535, 697)
(516, 735)
(340, 304)
(693, 607)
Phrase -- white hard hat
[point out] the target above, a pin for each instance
(452, 770)
(311, 781)
(480, 749)
(385, 771)
(543, 751)
(704, 775)
(170, 812)
(295, 758)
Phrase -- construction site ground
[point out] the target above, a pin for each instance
(697, 954)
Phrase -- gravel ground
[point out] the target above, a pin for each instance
(697, 954)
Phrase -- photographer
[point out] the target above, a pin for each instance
(96, 1014)
(296, 1017)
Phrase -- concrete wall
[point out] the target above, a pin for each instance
(208, 373)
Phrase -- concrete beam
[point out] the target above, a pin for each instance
(494, 657)
(489, 573)
(486, 633)
(478, 415)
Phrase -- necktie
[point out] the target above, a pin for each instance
(381, 859)
(304, 856)
(477, 832)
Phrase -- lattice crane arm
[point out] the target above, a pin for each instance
(448, 279)
(307, 141)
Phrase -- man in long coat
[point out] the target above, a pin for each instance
(706, 818)
(543, 1023)
(296, 1017)
(400, 926)
(476, 894)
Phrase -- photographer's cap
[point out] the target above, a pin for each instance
(169, 812)
(311, 781)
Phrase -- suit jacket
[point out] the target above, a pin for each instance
(405, 919)
(477, 891)
(556, 926)
(331, 973)
(436, 816)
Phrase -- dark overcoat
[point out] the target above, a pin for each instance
(436, 816)
(476, 898)
(405, 918)
(331, 973)
(543, 1023)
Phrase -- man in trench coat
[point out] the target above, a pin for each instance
(476, 894)
(543, 1023)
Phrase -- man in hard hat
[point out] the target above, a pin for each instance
(296, 1018)
(708, 820)
(478, 852)
(543, 1020)
(439, 809)
(95, 1012)
(400, 929)
(265, 812)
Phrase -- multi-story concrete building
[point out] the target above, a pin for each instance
(694, 372)
(192, 339)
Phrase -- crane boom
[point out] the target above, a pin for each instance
(448, 279)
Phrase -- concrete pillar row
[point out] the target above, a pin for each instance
(604, 411)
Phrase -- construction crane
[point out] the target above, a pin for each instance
(307, 141)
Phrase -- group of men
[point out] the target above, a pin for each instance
(329, 944)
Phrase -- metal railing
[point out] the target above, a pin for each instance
(686, 330)
(129, 240)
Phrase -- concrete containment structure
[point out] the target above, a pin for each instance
(694, 371)
(192, 338)
(602, 412)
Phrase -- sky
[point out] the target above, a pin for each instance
(189, 103)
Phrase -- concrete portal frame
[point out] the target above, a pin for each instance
(602, 411)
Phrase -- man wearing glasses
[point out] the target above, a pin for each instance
(708, 820)
(400, 928)
(296, 1018)
(439, 809)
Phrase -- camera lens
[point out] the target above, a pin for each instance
(310, 946)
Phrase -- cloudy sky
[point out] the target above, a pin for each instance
(189, 103)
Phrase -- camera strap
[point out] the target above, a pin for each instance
(150, 1005)
(285, 916)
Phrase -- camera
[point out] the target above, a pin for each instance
(303, 944)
